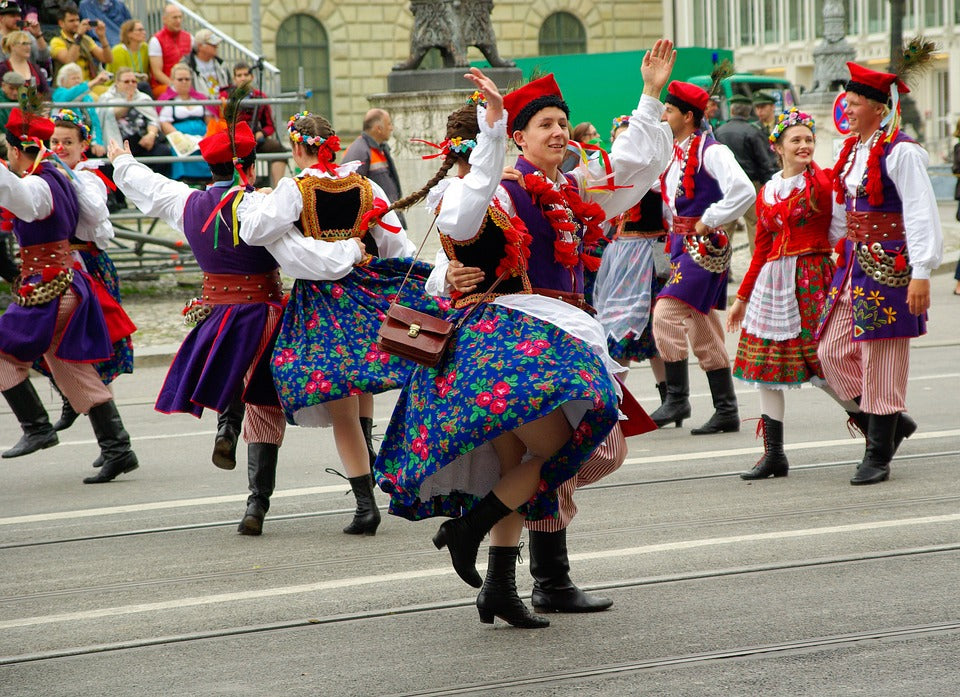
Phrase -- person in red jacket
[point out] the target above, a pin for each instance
(166, 48)
(784, 290)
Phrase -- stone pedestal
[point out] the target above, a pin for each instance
(420, 115)
(444, 79)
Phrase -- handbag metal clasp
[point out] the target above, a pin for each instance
(414, 331)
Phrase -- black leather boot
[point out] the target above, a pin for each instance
(229, 423)
(553, 591)
(114, 442)
(774, 460)
(499, 598)
(37, 431)
(366, 518)
(726, 417)
(662, 391)
(875, 466)
(676, 408)
(67, 414)
(462, 536)
(262, 475)
(366, 425)
(860, 421)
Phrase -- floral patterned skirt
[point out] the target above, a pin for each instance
(790, 362)
(638, 348)
(327, 345)
(504, 368)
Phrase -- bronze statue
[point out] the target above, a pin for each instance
(452, 26)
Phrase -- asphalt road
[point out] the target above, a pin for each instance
(795, 586)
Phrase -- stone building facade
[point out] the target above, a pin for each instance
(364, 39)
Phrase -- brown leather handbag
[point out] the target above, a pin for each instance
(415, 335)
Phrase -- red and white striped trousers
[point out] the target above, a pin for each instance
(875, 371)
(79, 382)
(605, 459)
(674, 321)
(264, 424)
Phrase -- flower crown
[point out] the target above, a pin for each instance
(621, 121)
(297, 137)
(477, 98)
(793, 117)
(76, 119)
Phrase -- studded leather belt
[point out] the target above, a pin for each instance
(231, 289)
(685, 225)
(874, 226)
(49, 255)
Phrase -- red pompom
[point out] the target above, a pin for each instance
(721, 240)
(899, 264)
(702, 248)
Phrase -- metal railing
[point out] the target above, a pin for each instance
(150, 13)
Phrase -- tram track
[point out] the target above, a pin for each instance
(625, 584)
(186, 527)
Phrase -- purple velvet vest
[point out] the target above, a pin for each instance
(225, 257)
(544, 270)
(60, 224)
(689, 282)
(880, 311)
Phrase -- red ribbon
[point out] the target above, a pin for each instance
(443, 147)
(374, 215)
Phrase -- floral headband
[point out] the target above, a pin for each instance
(621, 121)
(793, 117)
(477, 98)
(297, 137)
(458, 145)
(72, 117)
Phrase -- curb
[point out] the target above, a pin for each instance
(154, 356)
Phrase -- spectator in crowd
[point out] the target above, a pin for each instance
(184, 119)
(9, 91)
(711, 116)
(371, 150)
(167, 48)
(131, 52)
(71, 88)
(10, 21)
(138, 125)
(16, 45)
(260, 119)
(73, 45)
(113, 13)
(751, 150)
(209, 75)
(765, 107)
(586, 132)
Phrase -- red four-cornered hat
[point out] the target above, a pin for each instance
(690, 95)
(29, 126)
(873, 84)
(515, 101)
(216, 148)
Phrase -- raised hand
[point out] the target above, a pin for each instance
(114, 150)
(489, 90)
(656, 67)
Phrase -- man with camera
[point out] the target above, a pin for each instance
(112, 13)
(73, 45)
(10, 20)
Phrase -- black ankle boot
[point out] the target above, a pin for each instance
(37, 431)
(553, 591)
(726, 417)
(462, 536)
(676, 407)
(499, 598)
(774, 460)
(262, 475)
(67, 413)
(366, 518)
(229, 423)
(875, 466)
(366, 425)
(114, 442)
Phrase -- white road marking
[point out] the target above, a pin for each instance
(357, 581)
(339, 488)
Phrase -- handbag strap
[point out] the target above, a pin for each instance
(483, 298)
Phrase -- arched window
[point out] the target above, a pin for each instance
(562, 33)
(302, 41)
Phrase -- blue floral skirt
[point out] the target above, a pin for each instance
(327, 345)
(504, 369)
